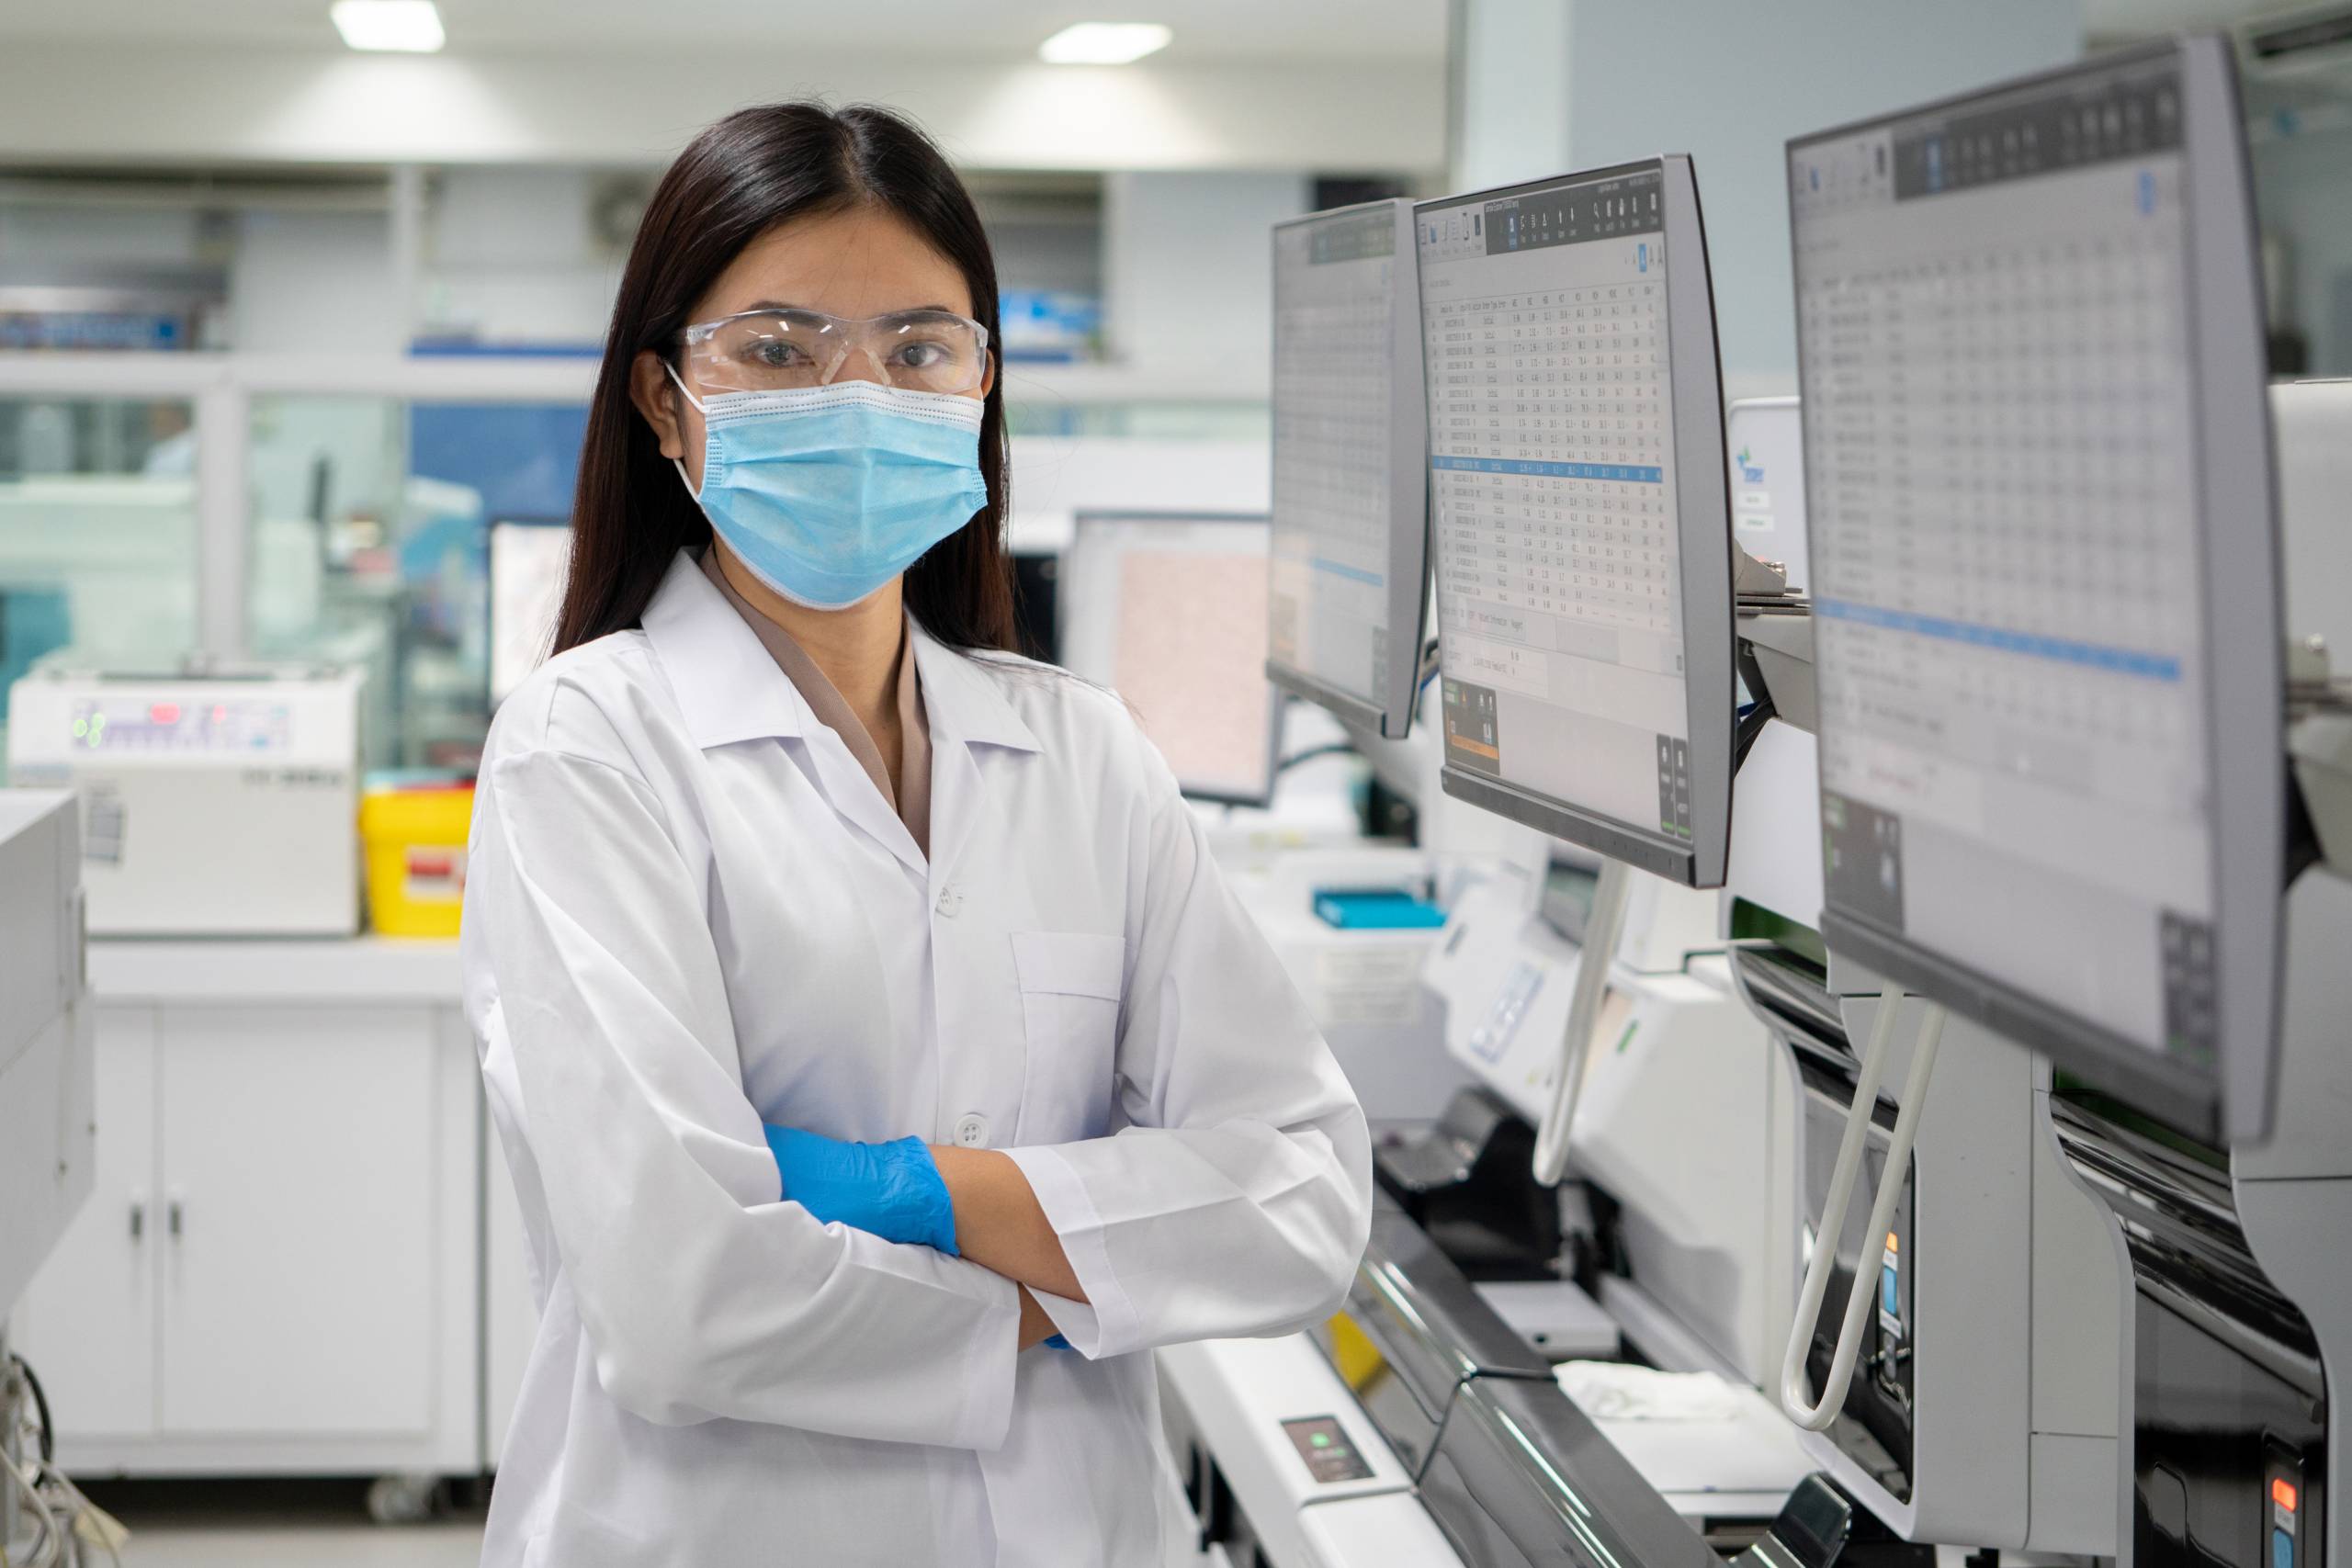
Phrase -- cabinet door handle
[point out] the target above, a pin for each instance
(138, 1218)
(172, 1218)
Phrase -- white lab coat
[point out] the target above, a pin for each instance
(690, 911)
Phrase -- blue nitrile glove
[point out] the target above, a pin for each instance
(891, 1189)
(1059, 1343)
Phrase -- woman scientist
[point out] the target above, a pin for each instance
(883, 1066)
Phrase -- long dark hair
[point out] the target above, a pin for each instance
(739, 178)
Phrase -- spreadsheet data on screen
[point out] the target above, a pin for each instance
(1552, 483)
(1995, 332)
(1334, 285)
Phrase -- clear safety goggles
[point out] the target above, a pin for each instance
(772, 351)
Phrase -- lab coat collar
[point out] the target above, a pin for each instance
(965, 702)
(729, 687)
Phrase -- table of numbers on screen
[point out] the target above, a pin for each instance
(1331, 421)
(1335, 486)
(1549, 418)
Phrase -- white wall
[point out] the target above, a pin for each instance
(1187, 267)
(1729, 82)
(1511, 119)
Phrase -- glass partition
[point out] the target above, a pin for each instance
(98, 533)
(371, 524)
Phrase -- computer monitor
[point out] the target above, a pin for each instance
(1170, 611)
(1581, 527)
(527, 564)
(2045, 576)
(1347, 577)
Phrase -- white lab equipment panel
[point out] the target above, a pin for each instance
(1767, 444)
(221, 807)
(280, 1271)
(1241, 1402)
(1389, 1531)
(46, 1073)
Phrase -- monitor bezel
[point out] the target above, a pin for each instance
(1390, 713)
(1702, 488)
(2244, 658)
(1086, 517)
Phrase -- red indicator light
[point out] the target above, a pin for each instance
(165, 713)
(2282, 1492)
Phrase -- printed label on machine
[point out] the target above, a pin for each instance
(1324, 1445)
(2286, 1510)
(102, 820)
(1890, 1289)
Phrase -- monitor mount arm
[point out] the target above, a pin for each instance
(1816, 1416)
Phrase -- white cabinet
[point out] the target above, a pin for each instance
(89, 1323)
(298, 1266)
(279, 1269)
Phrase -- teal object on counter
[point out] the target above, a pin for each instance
(1377, 909)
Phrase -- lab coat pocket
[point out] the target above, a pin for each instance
(1070, 983)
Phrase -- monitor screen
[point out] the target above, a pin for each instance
(527, 563)
(1170, 612)
(2029, 341)
(1580, 520)
(1348, 576)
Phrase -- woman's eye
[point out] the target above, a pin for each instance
(776, 353)
(922, 355)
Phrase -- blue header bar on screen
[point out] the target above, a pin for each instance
(1626, 472)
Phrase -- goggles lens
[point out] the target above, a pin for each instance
(767, 351)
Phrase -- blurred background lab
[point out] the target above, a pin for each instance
(301, 302)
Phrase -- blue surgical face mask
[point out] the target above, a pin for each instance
(827, 493)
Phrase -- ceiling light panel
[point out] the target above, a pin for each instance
(1104, 43)
(406, 26)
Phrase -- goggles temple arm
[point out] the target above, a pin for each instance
(672, 370)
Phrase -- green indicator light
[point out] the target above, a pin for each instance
(1322, 1439)
(81, 727)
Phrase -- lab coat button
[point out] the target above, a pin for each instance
(949, 902)
(972, 1131)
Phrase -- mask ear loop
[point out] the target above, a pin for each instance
(701, 408)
